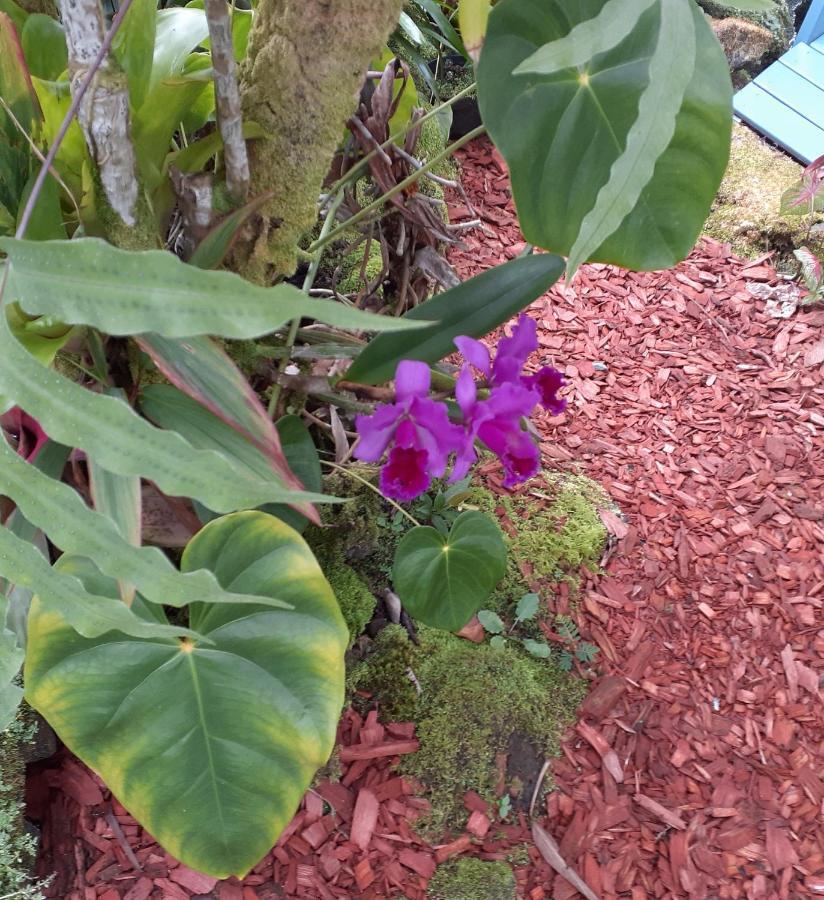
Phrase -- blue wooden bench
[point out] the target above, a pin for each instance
(786, 101)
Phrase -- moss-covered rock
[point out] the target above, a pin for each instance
(472, 879)
(386, 675)
(747, 209)
(17, 846)
(778, 20)
(559, 532)
(477, 701)
(749, 48)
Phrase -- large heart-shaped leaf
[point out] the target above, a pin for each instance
(472, 308)
(617, 157)
(444, 581)
(210, 747)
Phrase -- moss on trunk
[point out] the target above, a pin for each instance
(300, 82)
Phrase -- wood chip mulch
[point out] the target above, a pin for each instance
(696, 768)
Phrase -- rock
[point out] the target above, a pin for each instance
(749, 48)
(778, 20)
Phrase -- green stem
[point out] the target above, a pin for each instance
(294, 325)
(397, 189)
(350, 474)
(393, 138)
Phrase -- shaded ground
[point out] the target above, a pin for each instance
(702, 417)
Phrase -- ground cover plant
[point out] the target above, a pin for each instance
(157, 180)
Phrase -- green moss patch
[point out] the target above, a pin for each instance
(558, 532)
(747, 209)
(472, 879)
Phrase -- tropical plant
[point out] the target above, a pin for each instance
(122, 154)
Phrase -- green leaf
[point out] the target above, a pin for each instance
(615, 22)
(212, 250)
(569, 134)
(44, 46)
(46, 223)
(59, 511)
(491, 622)
(473, 308)
(122, 292)
(194, 157)
(537, 648)
(302, 457)
(210, 747)
(811, 269)
(527, 607)
(586, 652)
(134, 46)
(241, 26)
(498, 642)
(16, 13)
(670, 71)
(11, 659)
(61, 593)
(447, 30)
(29, 331)
(204, 371)
(109, 431)
(444, 581)
(15, 79)
(178, 32)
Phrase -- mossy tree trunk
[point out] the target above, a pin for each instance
(300, 82)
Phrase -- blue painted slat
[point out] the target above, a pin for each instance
(794, 91)
(813, 24)
(807, 62)
(818, 44)
(779, 123)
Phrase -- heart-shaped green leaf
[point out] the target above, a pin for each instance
(210, 747)
(444, 581)
(618, 156)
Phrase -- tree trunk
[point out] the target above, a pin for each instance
(300, 82)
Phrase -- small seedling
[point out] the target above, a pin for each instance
(442, 508)
(583, 651)
(504, 806)
(811, 274)
(491, 622)
(526, 609)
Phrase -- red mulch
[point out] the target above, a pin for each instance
(696, 768)
(702, 418)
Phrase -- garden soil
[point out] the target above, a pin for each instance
(695, 769)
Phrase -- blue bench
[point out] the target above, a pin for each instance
(786, 101)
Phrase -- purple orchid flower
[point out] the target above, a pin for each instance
(509, 362)
(420, 429)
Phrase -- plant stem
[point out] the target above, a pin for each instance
(350, 474)
(294, 325)
(102, 53)
(397, 189)
(362, 163)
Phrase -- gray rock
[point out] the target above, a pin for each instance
(749, 47)
(779, 21)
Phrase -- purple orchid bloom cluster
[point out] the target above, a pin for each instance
(421, 438)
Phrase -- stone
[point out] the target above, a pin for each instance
(778, 20)
(748, 47)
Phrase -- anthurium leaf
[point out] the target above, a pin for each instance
(249, 718)
(90, 614)
(59, 511)
(444, 580)
(44, 46)
(563, 133)
(133, 48)
(109, 431)
(201, 369)
(473, 308)
(612, 24)
(671, 68)
(212, 249)
(91, 282)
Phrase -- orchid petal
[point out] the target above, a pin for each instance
(376, 431)
(412, 380)
(405, 477)
(466, 391)
(475, 353)
(513, 351)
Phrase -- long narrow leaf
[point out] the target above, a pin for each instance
(473, 308)
(71, 525)
(203, 371)
(670, 72)
(88, 614)
(122, 292)
(109, 431)
(613, 23)
(212, 250)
